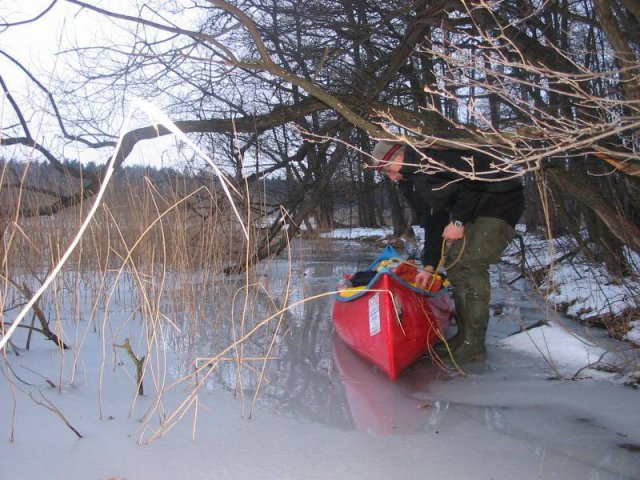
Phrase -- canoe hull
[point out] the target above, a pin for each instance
(391, 324)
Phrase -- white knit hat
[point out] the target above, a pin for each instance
(383, 152)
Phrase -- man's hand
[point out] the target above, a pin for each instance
(423, 278)
(453, 232)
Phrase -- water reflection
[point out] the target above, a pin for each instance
(376, 403)
(293, 364)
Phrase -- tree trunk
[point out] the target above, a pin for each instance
(398, 218)
(625, 231)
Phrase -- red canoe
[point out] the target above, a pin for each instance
(390, 322)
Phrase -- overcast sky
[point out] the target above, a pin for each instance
(36, 46)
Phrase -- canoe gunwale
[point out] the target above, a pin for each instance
(370, 287)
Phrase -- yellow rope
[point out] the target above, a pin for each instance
(440, 268)
(443, 255)
(449, 353)
(441, 265)
(442, 258)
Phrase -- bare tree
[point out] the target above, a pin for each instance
(285, 86)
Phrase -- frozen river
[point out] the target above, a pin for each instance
(320, 412)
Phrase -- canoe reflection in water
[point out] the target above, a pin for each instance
(378, 404)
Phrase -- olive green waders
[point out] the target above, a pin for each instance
(468, 270)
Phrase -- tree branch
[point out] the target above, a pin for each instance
(31, 20)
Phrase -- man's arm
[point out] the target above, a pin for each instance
(465, 203)
(434, 224)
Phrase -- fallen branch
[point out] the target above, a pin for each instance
(538, 275)
(539, 323)
(39, 313)
(50, 382)
(592, 365)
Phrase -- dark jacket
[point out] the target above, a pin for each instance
(442, 197)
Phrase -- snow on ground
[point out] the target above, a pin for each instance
(565, 352)
(358, 232)
(633, 335)
(585, 289)
(584, 292)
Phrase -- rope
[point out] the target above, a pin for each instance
(441, 264)
(443, 255)
(442, 258)
(449, 353)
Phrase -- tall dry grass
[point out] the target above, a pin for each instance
(157, 248)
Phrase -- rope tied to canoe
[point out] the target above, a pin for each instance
(439, 272)
(441, 268)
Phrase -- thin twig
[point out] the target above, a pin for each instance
(50, 406)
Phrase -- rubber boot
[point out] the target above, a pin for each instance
(472, 347)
